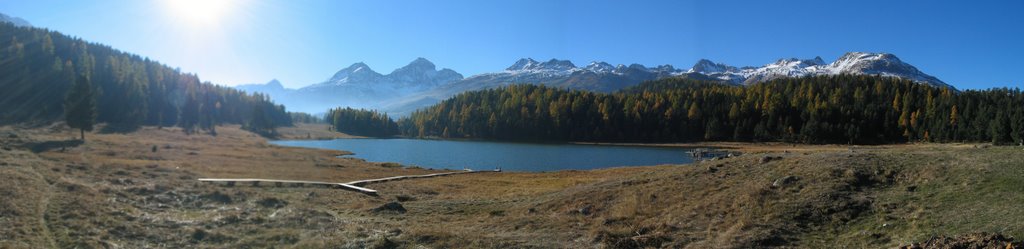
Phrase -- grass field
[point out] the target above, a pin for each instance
(139, 190)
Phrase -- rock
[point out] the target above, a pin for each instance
(272, 203)
(390, 207)
(394, 232)
(121, 181)
(217, 197)
(766, 159)
(782, 182)
(198, 235)
(404, 198)
(585, 210)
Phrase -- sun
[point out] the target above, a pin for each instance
(199, 12)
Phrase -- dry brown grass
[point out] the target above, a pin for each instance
(233, 153)
(311, 131)
(115, 191)
(759, 147)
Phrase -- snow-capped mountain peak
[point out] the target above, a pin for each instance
(356, 72)
(599, 67)
(555, 64)
(421, 73)
(665, 68)
(797, 63)
(420, 63)
(882, 64)
(528, 64)
(706, 66)
(419, 66)
(523, 64)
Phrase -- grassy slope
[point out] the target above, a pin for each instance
(115, 191)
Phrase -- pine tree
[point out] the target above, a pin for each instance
(80, 106)
(189, 113)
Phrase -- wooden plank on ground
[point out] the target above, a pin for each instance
(353, 185)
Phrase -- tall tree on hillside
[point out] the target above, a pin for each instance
(80, 106)
(260, 122)
(209, 110)
(189, 113)
(39, 66)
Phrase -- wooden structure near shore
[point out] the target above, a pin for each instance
(353, 185)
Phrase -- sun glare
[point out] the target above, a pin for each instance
(199, 12)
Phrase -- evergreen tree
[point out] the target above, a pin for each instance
(848, 109)
(40, 67)
(260, 122)
(80, 106)
(189, 114)
(362, 122)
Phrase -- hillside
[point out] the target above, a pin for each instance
(40, 66)
(115, 191)
(843, 109)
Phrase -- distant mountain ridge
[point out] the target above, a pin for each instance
(14, 20)
(358, 86)
(882, 64)
(420, 84)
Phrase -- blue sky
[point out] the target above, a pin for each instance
(971, 45)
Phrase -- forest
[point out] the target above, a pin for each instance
(846, 109)
(361, 122)
(39, 66)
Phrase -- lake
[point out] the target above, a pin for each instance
(483, 155)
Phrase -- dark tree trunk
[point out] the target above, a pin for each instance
(82, 132)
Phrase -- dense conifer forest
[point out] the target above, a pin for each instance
(361, 122)
(39, 66)
(829, 109)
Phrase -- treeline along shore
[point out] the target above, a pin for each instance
(843, 109)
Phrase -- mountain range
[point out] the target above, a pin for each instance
(14, 20)
(420, 84)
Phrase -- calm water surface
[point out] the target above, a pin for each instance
(479, 155)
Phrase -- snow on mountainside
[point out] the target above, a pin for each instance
(14, 20)
(596, 76)
(603, 77)
(882, 64)
(420, 84)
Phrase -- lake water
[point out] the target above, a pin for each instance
(480, 155)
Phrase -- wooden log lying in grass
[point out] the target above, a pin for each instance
(353, 185)
(280, 183)
(395, 178)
